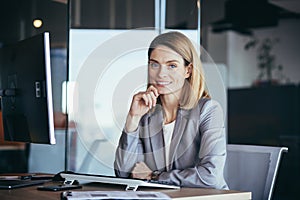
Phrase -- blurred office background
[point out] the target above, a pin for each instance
(259, 109)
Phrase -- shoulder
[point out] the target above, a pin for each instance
(211, 114)
(207, 105)
(206, 108)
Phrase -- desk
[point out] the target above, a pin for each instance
(184, 193)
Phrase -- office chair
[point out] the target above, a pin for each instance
(253, 168)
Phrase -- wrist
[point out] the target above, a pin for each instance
(132, 122)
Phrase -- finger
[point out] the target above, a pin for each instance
(153, 89)
(133, 175)
(154, 98)
(134, 171)
(145, 98)
(140, 167)
(137, 168)
(150, 100)
(138, 96)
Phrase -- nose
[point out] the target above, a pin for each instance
(163, 70)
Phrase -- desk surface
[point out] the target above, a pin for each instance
(184, 193)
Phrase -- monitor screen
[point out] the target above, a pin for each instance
(26, 91)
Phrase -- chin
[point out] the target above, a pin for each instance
(164, 91)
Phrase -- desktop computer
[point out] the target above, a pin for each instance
(26, 98)
(26, 91)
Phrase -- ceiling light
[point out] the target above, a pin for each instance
(37, 23)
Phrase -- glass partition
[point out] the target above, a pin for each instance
(108, 44)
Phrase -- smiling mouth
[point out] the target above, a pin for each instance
(163, 83)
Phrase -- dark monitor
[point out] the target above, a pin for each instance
(26, 91)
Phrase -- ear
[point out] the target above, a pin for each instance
(188, 70)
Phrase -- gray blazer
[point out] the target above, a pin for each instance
(197, 150)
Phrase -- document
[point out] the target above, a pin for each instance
(80, 195)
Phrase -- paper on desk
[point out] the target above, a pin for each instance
(80, 195)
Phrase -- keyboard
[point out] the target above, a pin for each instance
(132, 184)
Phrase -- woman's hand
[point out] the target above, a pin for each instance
(141, 171)
(141, 103)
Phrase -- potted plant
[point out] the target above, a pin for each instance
(265, 60)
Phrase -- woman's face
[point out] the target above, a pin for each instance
(166, 70)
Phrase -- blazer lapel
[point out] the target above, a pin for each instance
(179, 128)
(156, 138)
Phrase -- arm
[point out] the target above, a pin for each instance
(208, 170)
(129, 152)
(130, 148)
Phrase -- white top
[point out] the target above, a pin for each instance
(168, 132)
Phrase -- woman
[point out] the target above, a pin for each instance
(174, 132)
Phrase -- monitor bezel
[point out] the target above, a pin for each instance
(14, 71)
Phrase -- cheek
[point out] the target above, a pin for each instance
(180, 82)
(179, 76)
(151, 76)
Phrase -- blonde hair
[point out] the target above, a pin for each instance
(194, 88)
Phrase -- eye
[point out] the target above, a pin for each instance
(172, 66)
(154, 65)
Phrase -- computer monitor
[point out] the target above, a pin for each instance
(26, 91)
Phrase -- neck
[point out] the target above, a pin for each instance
(170, 105)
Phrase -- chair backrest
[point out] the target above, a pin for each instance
(253, 168)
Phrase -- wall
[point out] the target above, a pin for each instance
(228, 48)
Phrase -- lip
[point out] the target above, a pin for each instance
(163, 83)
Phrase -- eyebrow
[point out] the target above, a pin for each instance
(169, 61)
